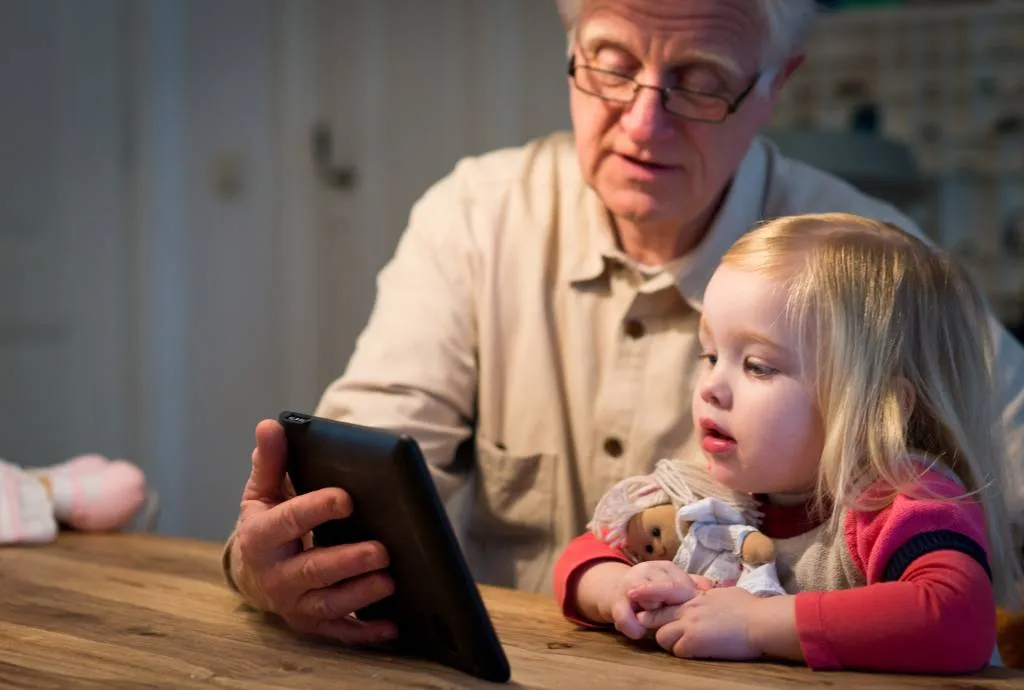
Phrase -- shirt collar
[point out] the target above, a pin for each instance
(595, 240)
(740, 210)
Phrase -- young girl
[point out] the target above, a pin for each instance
(846, 386)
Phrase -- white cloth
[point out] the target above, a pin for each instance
(26, 511)
(713, 547)
(761, 580)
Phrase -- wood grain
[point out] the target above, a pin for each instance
(140, 611)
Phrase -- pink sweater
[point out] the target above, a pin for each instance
(920, 565)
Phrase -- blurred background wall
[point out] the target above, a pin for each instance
(195, 195)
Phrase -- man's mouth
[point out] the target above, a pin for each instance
(648, 164)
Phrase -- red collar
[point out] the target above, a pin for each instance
(785, 522)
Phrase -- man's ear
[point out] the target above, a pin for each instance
(564, 11)
(784, 74)
(792, 65)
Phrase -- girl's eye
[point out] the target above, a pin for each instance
(649, 549)
(656, 532)
(709, 358)
(759, 369)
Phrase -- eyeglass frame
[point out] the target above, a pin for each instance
(664, 92)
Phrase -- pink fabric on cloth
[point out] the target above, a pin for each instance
(26, 512)
(93, 493)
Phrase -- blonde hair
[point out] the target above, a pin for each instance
(900, 346)
(787, 23)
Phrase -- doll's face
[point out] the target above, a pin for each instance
(651, 535)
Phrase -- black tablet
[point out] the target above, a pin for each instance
(436, 604)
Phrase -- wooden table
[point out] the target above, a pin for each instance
(127, 611)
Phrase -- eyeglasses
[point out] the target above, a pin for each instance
(620, 88)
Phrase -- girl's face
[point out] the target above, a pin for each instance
(753, 406)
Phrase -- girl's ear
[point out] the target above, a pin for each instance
(907, 396)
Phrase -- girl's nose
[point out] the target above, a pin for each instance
(714, 391)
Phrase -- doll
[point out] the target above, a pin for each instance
(679, 513)
(86, 493)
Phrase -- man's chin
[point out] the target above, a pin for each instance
(640, 207)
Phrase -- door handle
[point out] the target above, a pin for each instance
(335, 176)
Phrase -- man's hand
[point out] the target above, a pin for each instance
(314, 590)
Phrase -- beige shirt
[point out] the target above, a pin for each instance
(509, 311)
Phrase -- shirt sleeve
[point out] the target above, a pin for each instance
(582, 552)
(1009, 378)
(940, 617)
(414, 367)
(929, 589)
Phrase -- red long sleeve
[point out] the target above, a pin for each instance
(939, 617)
(928, 605)
(582, 552)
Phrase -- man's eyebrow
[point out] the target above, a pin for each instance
(704, 58)
(592, 34)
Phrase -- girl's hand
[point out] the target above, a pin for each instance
(604, 592)
(717, 624)
(655, 584)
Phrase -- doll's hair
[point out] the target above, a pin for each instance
(677, 482)
(898, 339)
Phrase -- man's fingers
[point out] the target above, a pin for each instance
(323, 567)
(354, 632)
(269, 464)
(347, 630)
(295, 517)
(332, 603)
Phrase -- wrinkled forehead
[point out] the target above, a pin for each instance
(665, 32)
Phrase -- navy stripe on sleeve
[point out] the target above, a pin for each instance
(930, 542)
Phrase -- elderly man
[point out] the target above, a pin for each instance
(543, 303)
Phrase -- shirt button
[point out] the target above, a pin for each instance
(634, 329)
(613, 447)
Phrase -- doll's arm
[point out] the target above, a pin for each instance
(757, 549)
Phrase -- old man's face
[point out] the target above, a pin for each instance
(647, 165)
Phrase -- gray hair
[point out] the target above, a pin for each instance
(788, 22)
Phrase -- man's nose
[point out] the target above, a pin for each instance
(645, 119)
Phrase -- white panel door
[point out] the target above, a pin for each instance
(63, 358)
(407, 88)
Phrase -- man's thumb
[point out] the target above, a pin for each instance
(269, 462)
